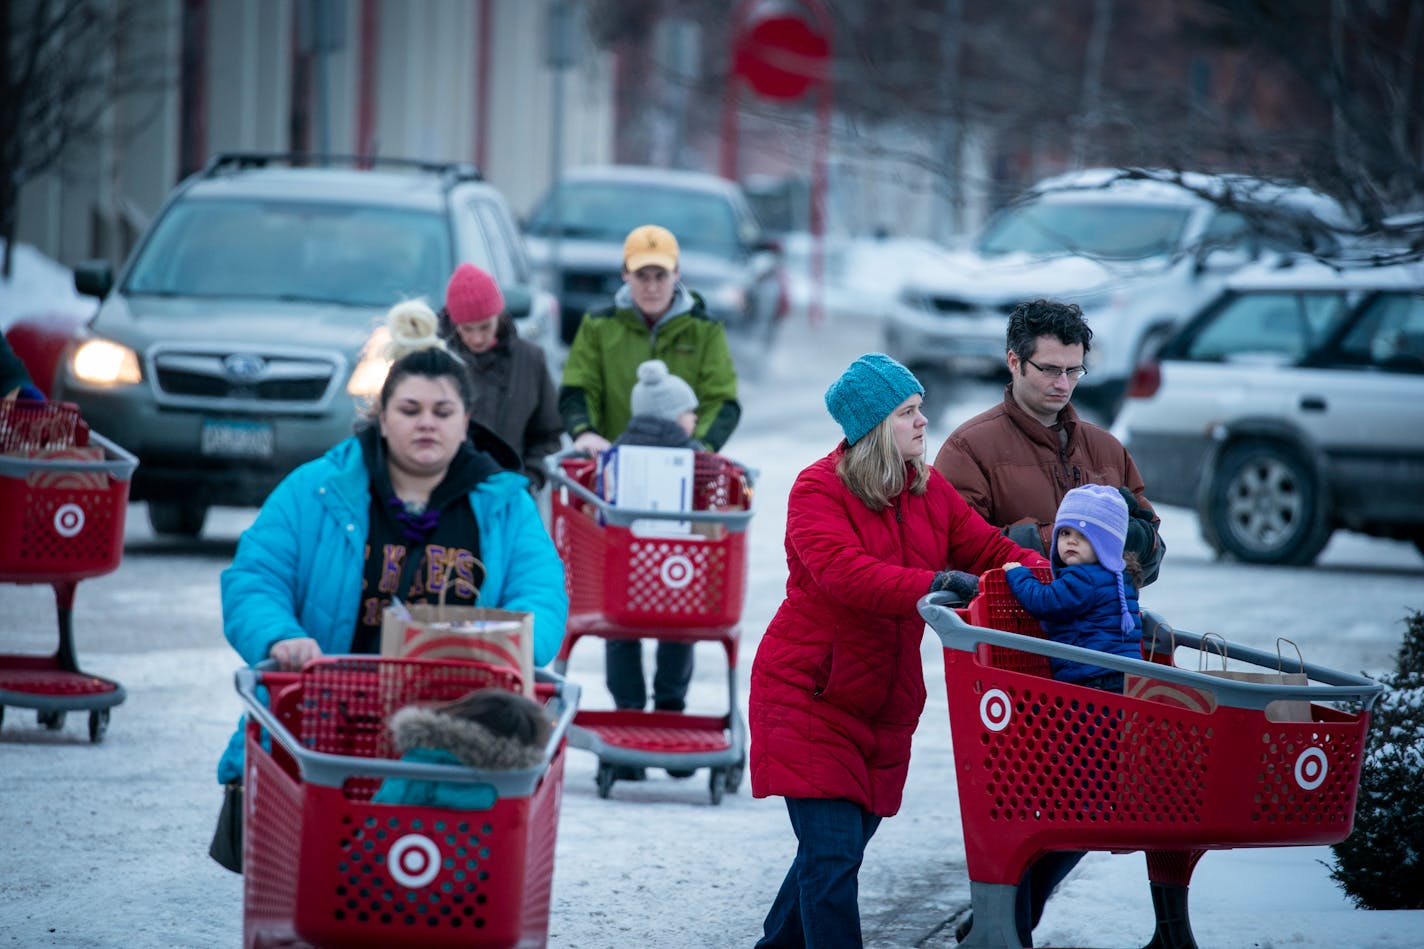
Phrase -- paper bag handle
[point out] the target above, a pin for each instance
(1218, 644)
(1280, 659)
(445, 585)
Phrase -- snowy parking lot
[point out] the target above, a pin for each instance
(105, 845)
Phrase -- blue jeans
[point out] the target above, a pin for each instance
(623, 670)
(818, 906)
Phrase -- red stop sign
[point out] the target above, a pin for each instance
(781, 57)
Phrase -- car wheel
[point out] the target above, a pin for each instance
(1264, 506)
(177, 518)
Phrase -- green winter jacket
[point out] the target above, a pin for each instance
(603, 361)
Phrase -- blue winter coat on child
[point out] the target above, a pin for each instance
(1080, 608)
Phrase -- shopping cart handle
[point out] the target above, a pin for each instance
(625, 516)
(331, 770)
(955, 633)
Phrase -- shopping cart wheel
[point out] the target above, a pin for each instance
(734, 776)
(717, 784)
(54, 721)
(98, 724)
(605, 779)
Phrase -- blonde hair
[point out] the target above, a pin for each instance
(874, 470)
(415, 349)
(413, 326)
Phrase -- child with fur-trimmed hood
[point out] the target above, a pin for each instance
(488, 729)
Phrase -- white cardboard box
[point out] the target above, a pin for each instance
(654, 479)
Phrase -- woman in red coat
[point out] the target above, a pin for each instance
(837, 687)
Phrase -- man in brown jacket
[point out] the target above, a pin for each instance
(1014, 463)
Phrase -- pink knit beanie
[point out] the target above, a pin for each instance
(472, 296)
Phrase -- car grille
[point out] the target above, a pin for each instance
(225, 377)
(954, 306)
(595, 283)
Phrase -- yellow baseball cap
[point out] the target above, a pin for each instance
(650, 246)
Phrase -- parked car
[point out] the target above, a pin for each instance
(724, 254)
(243, 331)
(1138, 254)
(1290, 406)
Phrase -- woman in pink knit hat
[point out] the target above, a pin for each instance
(514, 393)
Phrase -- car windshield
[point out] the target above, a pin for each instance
(1112, 230)
(607, 211)
(291, 250)
(1279, 323)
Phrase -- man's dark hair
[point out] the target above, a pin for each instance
(1038, 318)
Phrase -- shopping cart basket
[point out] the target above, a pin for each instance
(1045, 765)
(325, 867)
(63, 497)
(625, 583)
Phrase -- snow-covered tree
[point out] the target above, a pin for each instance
(1381, 865)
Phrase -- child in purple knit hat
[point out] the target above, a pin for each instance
(1092, 600)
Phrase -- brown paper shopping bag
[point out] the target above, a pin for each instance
(1168, 693)
(1281, 710)
(436, 631)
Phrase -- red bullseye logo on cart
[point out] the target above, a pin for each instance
(69, 520)
(677, 571)
(996, 710)
(414, 860)
(1311, 768)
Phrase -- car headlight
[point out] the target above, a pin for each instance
(100, 362)
(371, 368)
(728, 298)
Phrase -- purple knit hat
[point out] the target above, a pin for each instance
(1099, 513)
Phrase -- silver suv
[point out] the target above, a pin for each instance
(238, 338)
(1289, 407)
(1138, 254)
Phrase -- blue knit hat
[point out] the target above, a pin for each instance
(867, 392)
(1099, 513)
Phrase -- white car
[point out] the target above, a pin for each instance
(1290, 406)
(1139, 255)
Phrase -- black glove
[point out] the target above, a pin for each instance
(1142, 539)
(961, 584)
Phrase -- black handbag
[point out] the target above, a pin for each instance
(226, 847)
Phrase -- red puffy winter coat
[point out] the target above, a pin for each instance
(837, 686)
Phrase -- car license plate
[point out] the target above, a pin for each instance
(230, 439)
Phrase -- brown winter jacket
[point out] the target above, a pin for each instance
(1013, 469)
(838, 683)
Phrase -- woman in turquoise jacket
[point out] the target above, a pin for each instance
(328, 550)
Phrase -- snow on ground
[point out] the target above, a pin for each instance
(105, 846)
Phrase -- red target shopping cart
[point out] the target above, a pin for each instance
(323, 866)
(1187, 762)
(63, 497)
(626, 581)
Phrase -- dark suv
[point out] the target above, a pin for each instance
(242, 332)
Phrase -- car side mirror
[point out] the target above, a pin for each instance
(767, 245)
(94, 278)
(518, 300)
(1222, 258)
